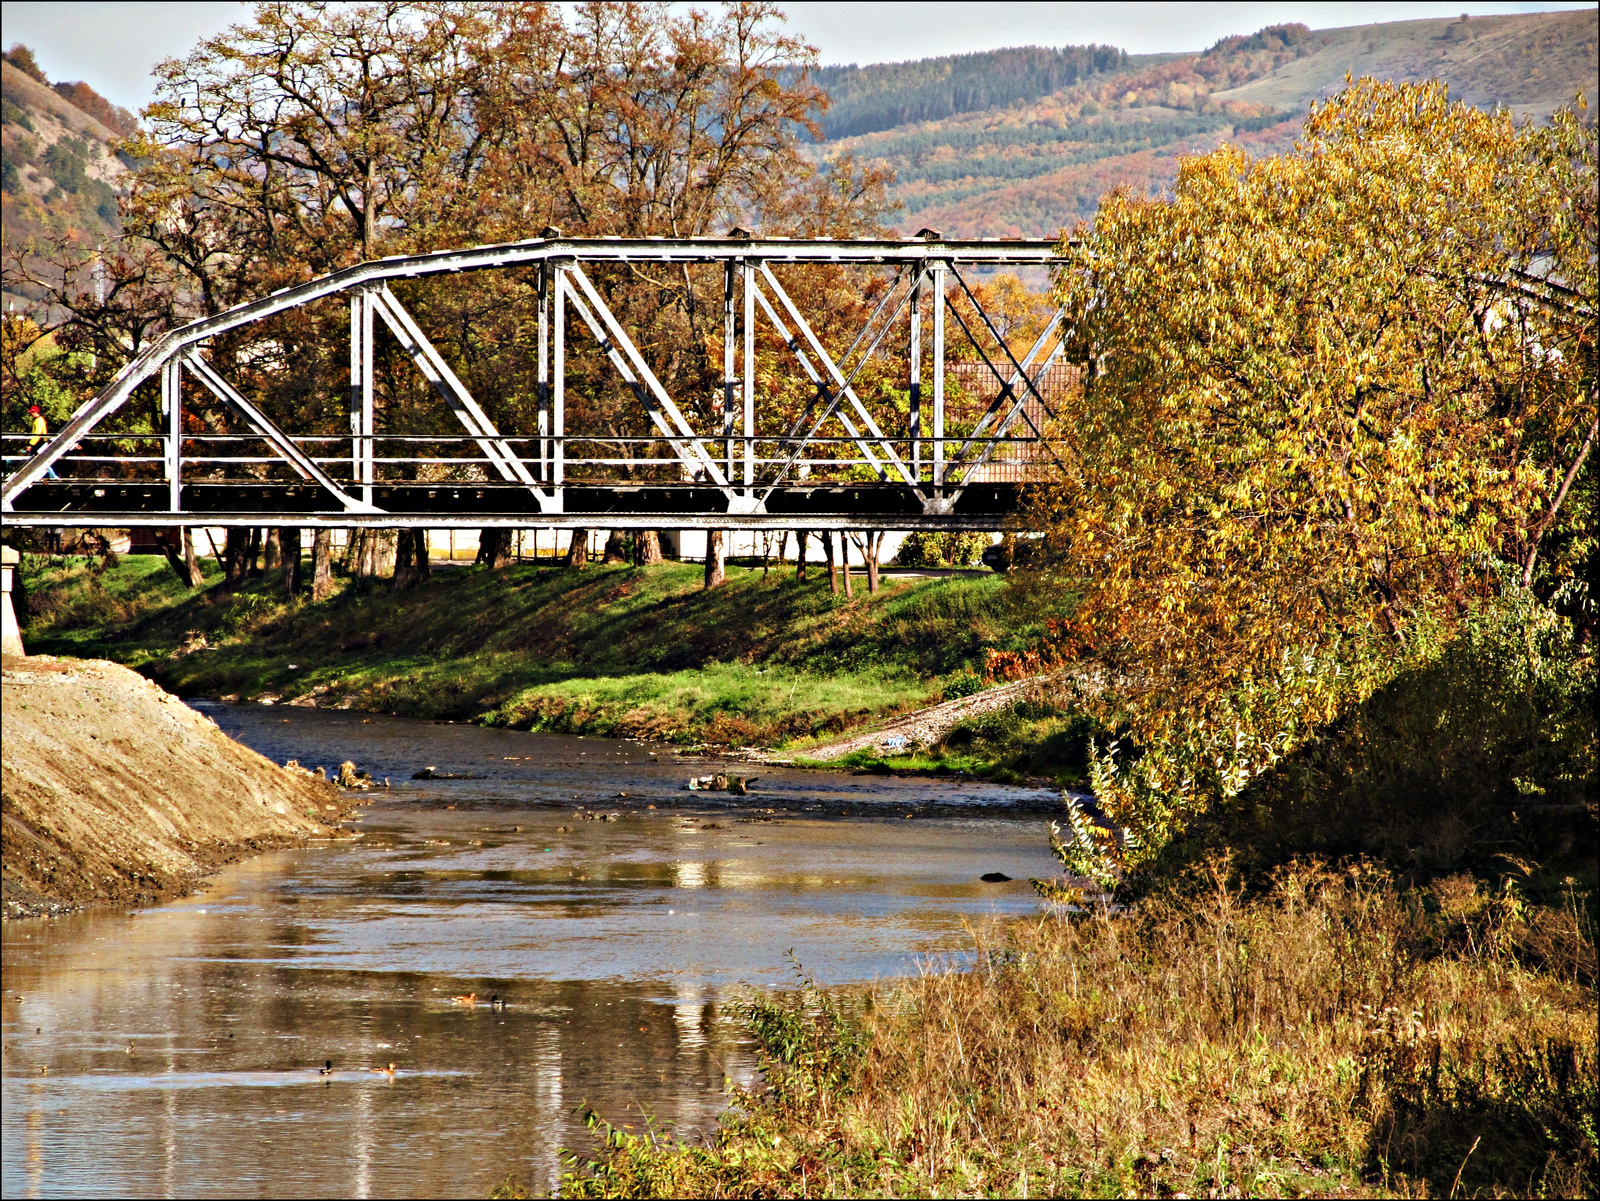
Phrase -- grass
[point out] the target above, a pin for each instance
(608, 650)
(1335, 1034)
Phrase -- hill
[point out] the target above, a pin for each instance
(59, 173)
(1040, 160)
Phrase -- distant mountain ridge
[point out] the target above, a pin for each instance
(1035, 164)
(883, 95)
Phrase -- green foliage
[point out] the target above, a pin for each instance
(12, 114)
(49, 378)
(1088, 852)
(966, 683)
(1485, 748)
(65, 162)
(941, 550)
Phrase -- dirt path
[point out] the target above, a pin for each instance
(925, 726)
(113, 791)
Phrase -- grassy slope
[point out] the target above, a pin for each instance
(609, 650)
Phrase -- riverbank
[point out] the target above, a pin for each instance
(116, 792)
(612, 651)
(1335, 1035)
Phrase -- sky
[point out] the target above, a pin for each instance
(114, 46)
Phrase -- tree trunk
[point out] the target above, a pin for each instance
(321, 564)
(616, 550)
(410, 559)
(716, 573)
(647, 548)
(272, 549)
(494, 548)
(289, 548)
(844, 562)
(800, 555)
(578, 549)
(373, 553)
(177, 545)
(833, 567)
(253, 554)
(235, 557)
(868, 544)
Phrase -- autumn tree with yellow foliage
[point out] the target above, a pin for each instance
(1339, 399)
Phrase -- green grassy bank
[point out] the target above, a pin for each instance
(619, 651)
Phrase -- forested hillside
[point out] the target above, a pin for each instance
(1041, 158)
(869, 99)
(59, 173)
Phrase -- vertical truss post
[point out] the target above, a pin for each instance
(558, 399)
(937, 368)
(172, 410)
(915, 382)
(749, 274)
(355, 387)
(544, 372)
(728, 381)
(368, 421)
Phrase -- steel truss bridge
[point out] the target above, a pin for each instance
(837, 462)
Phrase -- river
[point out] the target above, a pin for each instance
(175, 1050)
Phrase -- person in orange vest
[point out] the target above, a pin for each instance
(40, 430)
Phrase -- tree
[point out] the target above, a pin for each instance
(716, 565)
(1331, 391)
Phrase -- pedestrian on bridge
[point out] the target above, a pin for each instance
(40, 429)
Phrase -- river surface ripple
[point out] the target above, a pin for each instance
(175, 1051)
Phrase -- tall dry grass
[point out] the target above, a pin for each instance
(1336, 1035)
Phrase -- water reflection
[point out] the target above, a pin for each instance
(180, 1047)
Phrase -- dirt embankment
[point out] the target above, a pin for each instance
(114, 791)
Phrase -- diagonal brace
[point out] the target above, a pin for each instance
(831, 410)
(281, 442)
(1008, 391)
(622, 353)
(449, 386)
(841, 384)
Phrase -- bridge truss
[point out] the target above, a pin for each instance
(835, 459)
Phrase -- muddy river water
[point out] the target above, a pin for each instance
(176, 1050)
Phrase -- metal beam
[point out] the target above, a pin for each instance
(662, 412)
(841, 384)
(914, 383)
(451, 389)
(280, 441)
(172, 411)
(522, 521)
(936, 461)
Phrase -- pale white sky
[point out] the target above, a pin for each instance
(114, 45)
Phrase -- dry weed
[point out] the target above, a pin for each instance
(1335, 1036)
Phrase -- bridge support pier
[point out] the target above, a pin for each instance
(10, 632)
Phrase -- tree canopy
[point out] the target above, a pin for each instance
(1338, 398)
